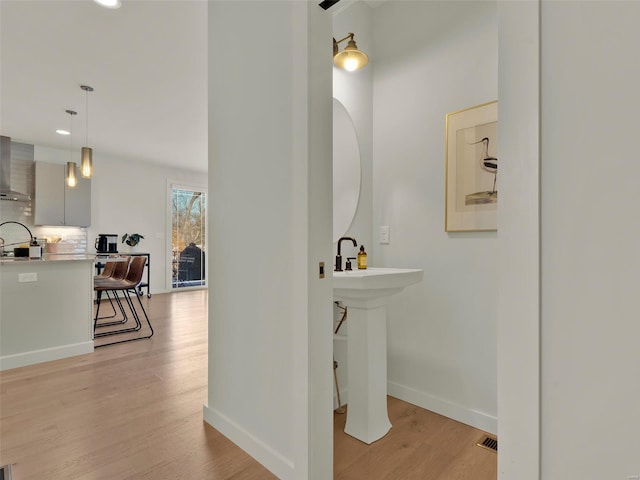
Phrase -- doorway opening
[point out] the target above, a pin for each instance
(188, 237)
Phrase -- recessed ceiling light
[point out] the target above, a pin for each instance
(63, 132)
(109, 3)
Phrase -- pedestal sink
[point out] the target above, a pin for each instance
(366, 293)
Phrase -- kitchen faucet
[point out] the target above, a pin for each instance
(339, 256)
(18, 223)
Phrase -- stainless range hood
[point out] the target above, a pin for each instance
(6, 190)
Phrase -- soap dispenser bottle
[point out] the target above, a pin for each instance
(34, 249)
(362, 258)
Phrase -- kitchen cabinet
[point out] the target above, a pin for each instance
(57, 204)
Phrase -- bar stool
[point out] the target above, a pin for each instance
(125, 286)
(113, 270)
(107, 271)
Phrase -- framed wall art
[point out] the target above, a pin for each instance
(472, 169)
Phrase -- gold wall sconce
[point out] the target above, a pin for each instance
(350, 58)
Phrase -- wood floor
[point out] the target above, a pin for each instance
(134, 411)
(421, 445)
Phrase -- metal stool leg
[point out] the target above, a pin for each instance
(136, 316)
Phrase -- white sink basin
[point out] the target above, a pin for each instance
(376, 278)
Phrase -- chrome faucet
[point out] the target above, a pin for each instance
(339, 255)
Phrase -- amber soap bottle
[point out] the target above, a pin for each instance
(362, 258)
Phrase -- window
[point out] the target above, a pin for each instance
(188, 237)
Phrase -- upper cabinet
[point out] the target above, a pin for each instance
(57, 204)
(77, 202)
(49, 194)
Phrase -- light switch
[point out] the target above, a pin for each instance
(384, 235)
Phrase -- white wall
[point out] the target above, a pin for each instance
(130, 196)
(270, 173)
(590, 192)
(432, 58)
(518, 254)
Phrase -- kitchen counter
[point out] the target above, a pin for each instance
(46, 308)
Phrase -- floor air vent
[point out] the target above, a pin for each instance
(489, 442)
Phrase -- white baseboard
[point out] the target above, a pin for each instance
(474, 418)
(45, 355)
(280, 466)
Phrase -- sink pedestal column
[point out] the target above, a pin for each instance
(366, 294)
(367, 417)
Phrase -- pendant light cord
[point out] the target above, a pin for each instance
(71, 114)
(86, 130)
(86, 89)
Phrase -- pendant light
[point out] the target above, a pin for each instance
(86, 165)
(70, 179)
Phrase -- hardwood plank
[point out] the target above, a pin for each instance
(134, 411)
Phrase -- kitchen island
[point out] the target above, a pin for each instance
(46, 309)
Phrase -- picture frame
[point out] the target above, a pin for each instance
(472, 169)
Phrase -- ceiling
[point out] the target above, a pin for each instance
(147, 62)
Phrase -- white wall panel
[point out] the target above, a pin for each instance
(589, 196)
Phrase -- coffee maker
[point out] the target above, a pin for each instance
(107, 243)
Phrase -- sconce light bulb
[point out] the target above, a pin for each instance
(109, 3)
(351, 64)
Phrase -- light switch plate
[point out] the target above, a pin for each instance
(384, 235)
(27, 277)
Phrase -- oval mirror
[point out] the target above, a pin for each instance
(346, 170)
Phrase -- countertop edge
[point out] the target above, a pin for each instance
(48, 258)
